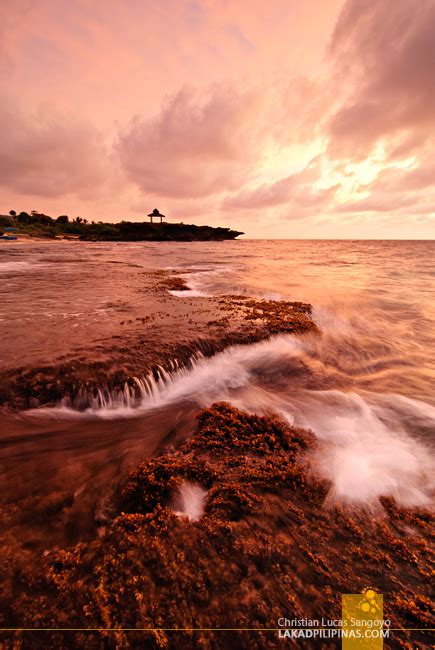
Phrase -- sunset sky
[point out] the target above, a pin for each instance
(285, 118)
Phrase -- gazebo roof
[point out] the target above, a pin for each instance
(155, 213)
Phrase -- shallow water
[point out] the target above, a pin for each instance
(365, 387)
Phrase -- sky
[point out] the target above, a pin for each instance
(282, 119)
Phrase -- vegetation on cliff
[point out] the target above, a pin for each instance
(36, 224)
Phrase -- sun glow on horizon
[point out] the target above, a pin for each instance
(354, 180)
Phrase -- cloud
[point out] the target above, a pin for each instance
(199, 144)
(12, 16)
(47, 155)
(237, 145)
(295, 190)
(383, 64)
(207, 141)
(399, 189)
(374, 108)
(267, 195)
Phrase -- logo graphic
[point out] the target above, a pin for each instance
(363, 625)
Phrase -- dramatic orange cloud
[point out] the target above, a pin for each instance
(285, 119)
(384, 63)
(198, 145)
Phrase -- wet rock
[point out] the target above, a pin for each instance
(265, 543)
(241, 321)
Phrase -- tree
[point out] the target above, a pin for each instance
(5, 221)
(23, 218)
(63, 218)
(12, 213)
(40, 217)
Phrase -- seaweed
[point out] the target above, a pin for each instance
(265, 545)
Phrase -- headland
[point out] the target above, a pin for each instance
(43, 226)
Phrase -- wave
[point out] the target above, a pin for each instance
(370, 444)
(367, 449)
(202, 379)
(19, 267)
(206, 282)
(188, 293)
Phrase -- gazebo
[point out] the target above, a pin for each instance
(157, 215)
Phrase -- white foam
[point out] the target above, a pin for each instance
(365, 451)
(367, 456)
(21, 266)
(204, 380)
(197, 284)
(190, 501)
(188, 293)
(371, 444)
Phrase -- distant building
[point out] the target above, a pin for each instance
(155, 214)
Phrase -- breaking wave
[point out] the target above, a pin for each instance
(370, 444)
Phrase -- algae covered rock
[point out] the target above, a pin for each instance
(265, 545)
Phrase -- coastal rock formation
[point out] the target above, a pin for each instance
(135, 231)
(265, 547)
(43, 226)
(220, 322)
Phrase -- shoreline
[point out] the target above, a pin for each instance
(229, 531)
(220, 522)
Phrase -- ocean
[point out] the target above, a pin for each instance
(364, 387)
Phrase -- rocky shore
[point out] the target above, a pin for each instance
(170, 331)
(224, 526)
(261, 544)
